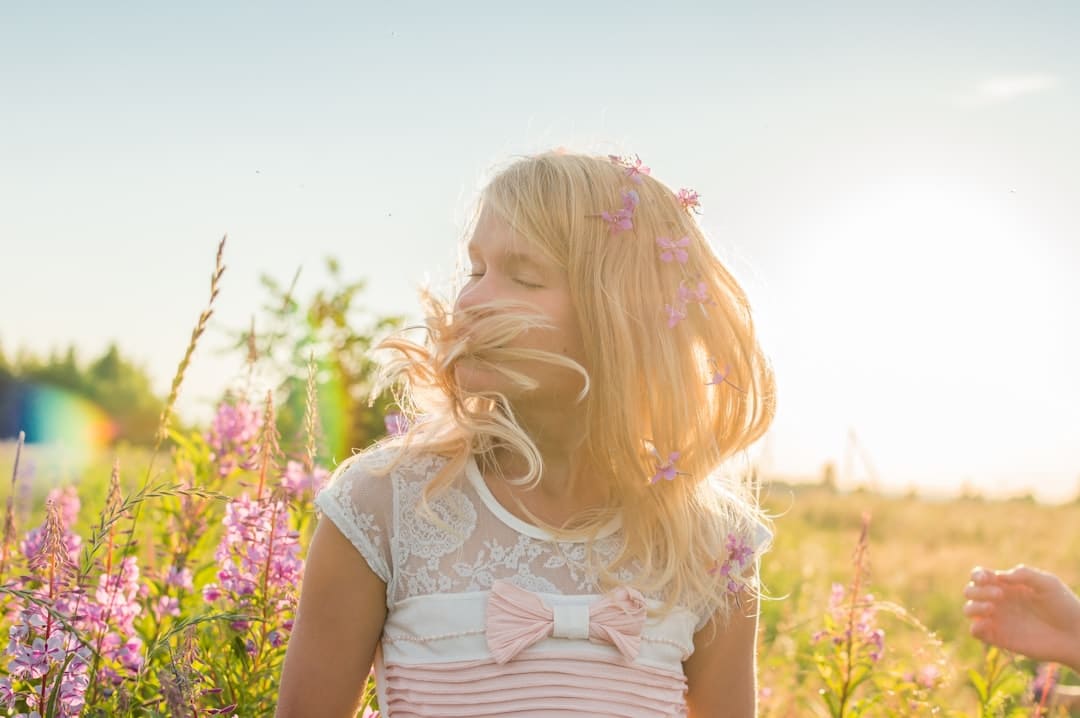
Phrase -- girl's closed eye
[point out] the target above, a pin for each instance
(519, 280)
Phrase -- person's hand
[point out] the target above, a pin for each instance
(1027, 611)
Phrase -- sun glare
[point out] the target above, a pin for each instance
(930, 320)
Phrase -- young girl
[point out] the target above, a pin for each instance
(553, 536)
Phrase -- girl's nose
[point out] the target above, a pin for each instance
(478, 291)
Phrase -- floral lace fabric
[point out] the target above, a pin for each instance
(468, 548)
(472, 542)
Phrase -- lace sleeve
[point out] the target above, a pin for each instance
(361, 506)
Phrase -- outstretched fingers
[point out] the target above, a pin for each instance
(975, 609)
(1027, 576)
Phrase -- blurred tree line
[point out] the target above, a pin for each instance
(118, 387)
(329, 329)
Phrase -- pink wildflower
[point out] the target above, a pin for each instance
(1045, 682)
(396, 423)
(180, 578)
(928, 676)
(258, 558)
(675, 313)
(673, 249)
(7, 695)
(295, 480)
(857, 623)
(166, 606)
(689, 200)
(735, 563)
(233, 436)
(684, 296)
(699, 294)
(130, 654)
(718, 377)
(622, 219)
(67, 501)
(117, 598)
(666, 469)
(635, 169)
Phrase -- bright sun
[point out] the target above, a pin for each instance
(928, 317)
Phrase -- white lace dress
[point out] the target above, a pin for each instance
(436, 657)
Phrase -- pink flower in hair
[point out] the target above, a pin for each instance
(622, 219)
(718, 377)
(684, 296)
(396, 423)
(673, 249)
(635, 169)
(675, 313)
(698, 294)
(666, 469)
(688, 199)
(739, 557)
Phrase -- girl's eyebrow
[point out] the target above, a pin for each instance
(512, 258)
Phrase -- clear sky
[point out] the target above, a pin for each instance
(899, 190)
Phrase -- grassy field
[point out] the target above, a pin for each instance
(919, 556)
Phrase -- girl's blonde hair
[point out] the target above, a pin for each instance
(646, 392)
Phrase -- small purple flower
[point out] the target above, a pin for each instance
(836, 597)
(130, 654)
(1045, 682)
(699, 293)
(739, 549)
(739, 555)
(689, 199)
(295, 480)
(7, 695)
(180, 578)
(28, 661)
(666, 469)
(166, 606)
(675, 313)
(673, 250)
(396, 423)
(857, 624)
(233, 436)
(623, 219)
(67, 501)
(928, 676)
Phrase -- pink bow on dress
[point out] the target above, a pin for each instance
(517, 618)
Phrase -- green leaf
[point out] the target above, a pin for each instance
(240, 650)
(979, 683)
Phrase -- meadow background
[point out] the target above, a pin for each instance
(919, 555)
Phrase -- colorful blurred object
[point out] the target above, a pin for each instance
(50, 415)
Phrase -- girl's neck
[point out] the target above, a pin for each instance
(567, 485)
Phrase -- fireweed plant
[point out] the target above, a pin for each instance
(860, 675)
(133, 621)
